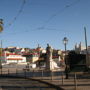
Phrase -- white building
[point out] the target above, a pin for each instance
(14, 58)
(79, 48)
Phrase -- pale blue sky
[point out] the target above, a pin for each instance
(33, 22)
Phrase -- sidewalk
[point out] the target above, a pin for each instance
(81, 83)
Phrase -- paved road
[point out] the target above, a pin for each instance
(7, 83)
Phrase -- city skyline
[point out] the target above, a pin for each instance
(28, 23)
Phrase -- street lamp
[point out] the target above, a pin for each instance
(65, 41)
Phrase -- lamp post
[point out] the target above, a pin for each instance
(65, 41)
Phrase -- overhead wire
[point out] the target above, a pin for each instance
(48, 20)
(58, 12)
(17, 15)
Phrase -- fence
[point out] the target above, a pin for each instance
(41, 74)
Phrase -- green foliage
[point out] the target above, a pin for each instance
(76, 61)
(0, 51)
(1, 28)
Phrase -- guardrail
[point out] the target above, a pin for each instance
(37, 75)
(44, 75)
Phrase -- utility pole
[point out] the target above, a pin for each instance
(85, 37)
(1, 29)
(86, 46)
(1, 55)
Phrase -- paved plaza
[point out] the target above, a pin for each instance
(11, 83)
(82, 81)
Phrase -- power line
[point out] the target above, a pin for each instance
(17, 15)
(60, 11)
(44, 26)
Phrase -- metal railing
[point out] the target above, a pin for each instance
(41, 74)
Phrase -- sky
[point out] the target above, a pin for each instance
(28, 23)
